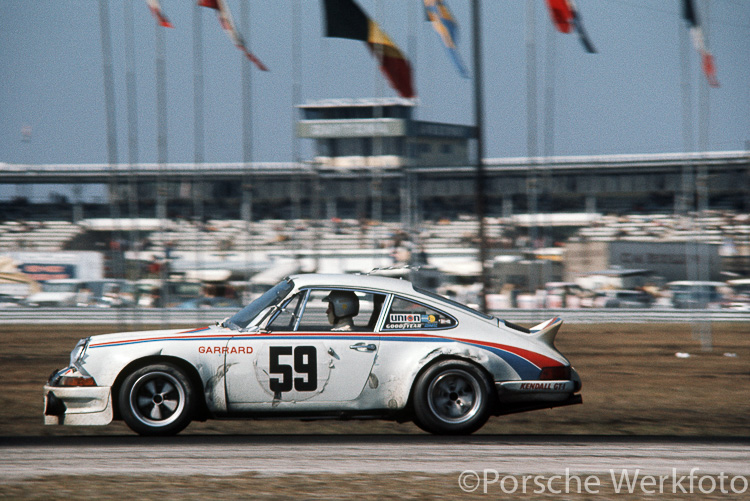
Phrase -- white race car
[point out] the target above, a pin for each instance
(319, 346)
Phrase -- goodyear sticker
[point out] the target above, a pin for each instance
(403, 326)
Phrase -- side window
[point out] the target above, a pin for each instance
(408, 315)
(341, 310)
(286, 318)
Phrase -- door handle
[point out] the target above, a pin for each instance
(363, 347)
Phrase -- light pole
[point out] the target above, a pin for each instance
(480, 202)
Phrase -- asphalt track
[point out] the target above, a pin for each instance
(278, 455)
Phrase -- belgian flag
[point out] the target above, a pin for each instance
(345, 19)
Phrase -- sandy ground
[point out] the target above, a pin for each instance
(343, 487)
(633, 384)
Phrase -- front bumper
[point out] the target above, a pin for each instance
(77, 405)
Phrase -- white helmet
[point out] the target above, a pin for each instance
(345, 303)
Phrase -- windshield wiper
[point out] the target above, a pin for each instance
(229, 325)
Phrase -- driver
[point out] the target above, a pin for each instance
(343, 306)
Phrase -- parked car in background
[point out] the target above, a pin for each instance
(622, 299)
(111, 293)
(210, 302)
(57, 293)
(153, 293)
(696, 294)
(740, 295)
(106, 292)
(563, 295)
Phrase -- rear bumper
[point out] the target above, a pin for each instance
(537, 391)
(521, 396)
(77, 405)
(511, 402)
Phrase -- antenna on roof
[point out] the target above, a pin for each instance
(393, 268)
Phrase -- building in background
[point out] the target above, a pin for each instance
(363, 134)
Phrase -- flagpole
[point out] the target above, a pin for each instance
(162, 187)
(199, 142)
(115, 252)
(296, 97)
(702, 192)
(408, 221)
(248, 178)
(376, 186)
(109, 95)
(549, 131)
(531, 137)
(132, 114)
(480, 202)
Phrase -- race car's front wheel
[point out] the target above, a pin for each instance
(452, 397)
(157, 400)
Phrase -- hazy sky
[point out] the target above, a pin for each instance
(628, 98)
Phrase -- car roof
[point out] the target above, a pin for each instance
(694, 283)
(354, 281)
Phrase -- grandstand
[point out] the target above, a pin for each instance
(277, 246)
(339, 234)
(37, 236)
(208, 214)
(713, 227)
(217, 235)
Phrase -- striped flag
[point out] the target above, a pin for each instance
(345, 19)
(225, 18)
(566, 17)
(446, 26)
(155, 8)
(699, 42)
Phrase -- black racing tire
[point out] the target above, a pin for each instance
(452, 397)
(157, 400)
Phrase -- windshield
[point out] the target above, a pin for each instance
(59, 287)
(273, 296)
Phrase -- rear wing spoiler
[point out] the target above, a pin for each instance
(546, 331)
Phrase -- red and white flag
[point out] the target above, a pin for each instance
(155, 8)
(225, 18)
(699, 42)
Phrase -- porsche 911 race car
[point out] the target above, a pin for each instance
(319, 346)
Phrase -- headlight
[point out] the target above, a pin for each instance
(77, 354)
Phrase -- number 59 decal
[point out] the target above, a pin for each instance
(304, 363)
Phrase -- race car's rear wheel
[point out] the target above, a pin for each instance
(157, 400)
(452, 397)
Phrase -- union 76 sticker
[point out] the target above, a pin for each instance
(410, 318)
